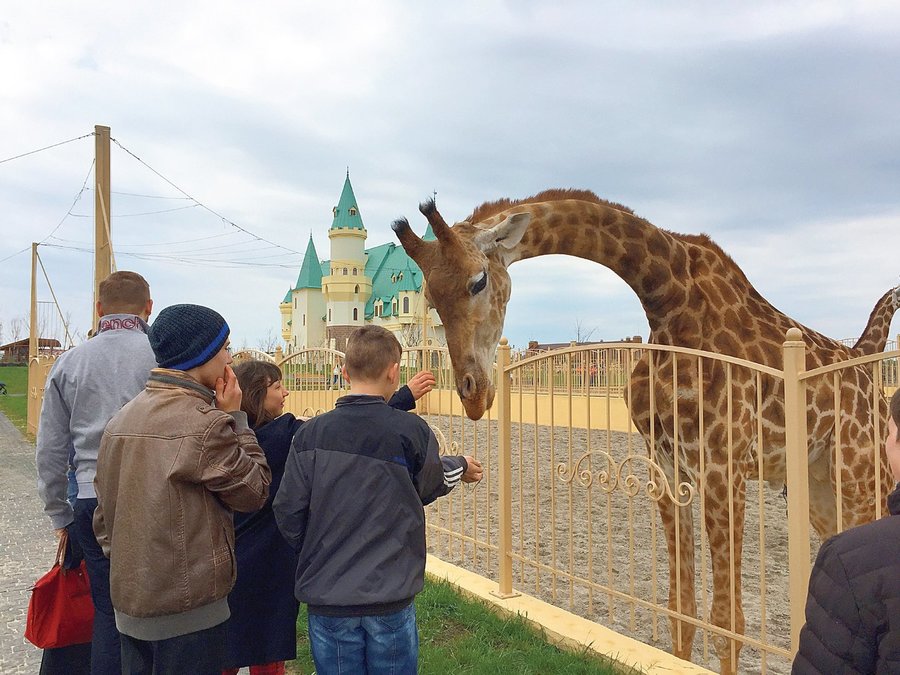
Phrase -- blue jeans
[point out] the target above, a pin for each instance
(365, 644)
(106, 656)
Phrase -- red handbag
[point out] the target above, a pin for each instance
(60, 612)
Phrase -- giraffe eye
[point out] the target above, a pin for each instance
(479, 284)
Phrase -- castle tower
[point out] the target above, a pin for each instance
(306, 307)
(346, 289)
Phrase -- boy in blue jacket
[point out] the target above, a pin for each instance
(351, 503)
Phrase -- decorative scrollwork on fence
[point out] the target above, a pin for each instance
(622, 475)
(310, 412)
(451, 449)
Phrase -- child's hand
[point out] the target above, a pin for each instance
(228, 392)
(421, 383)
(474, 470)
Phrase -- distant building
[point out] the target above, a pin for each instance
(357, 286)
(17, 352)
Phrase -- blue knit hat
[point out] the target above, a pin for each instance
(187, 336)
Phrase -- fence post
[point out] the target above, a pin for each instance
(504, 471)
(797, 467)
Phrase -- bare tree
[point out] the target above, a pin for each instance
(411, 334)
(582, 332)
(269, 341)
(16, 328)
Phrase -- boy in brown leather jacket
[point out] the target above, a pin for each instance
(173, 464)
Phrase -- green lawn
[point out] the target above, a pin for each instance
(15, 403)
(463, 636)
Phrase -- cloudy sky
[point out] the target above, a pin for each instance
(772, 126)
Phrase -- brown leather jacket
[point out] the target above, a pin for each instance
(171, 469)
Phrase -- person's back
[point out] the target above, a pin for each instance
(173, 463)
(853, 607)
(351, 504)
(86, 386)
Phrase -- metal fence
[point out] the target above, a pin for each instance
(648, 527)
(574, 507)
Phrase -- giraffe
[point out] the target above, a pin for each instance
(693, 295)
(875, 336)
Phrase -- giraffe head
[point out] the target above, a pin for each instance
(467, 283)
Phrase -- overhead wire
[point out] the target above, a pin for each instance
(215, 213)
(48, 147)
(68, 213)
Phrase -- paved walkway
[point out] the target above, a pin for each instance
(27, 547)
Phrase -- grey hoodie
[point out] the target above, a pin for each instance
(87, 385)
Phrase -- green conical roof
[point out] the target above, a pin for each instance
(287, 296)
(429, 234)
(346, 213)
(310, 271)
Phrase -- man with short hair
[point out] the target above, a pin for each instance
(87, 385)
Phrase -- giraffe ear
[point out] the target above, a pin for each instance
(507, 233)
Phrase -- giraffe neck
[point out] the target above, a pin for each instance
(875, 336)
(658, 265)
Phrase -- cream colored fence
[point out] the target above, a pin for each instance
(574, 508)
(251, 355)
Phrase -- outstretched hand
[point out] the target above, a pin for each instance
(474, 470)
(421, 383)
(228, 392)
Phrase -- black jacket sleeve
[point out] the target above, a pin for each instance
(437, 475)
(403, 399)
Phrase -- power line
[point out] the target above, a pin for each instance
(215, 213)
(145, 213)
(74, 201)
(55, 145)
(161, 243)
(59, 224)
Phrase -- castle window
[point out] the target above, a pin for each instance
(406, 305)
(400, 276)
(355, 314)
(304, 319)
(329, 315)
(394, 307)
(334, 211)
(354, 271)
(393, 278)
(356, 289)
(345, 271)
(352, 211)
(377, 309)
(295, 303)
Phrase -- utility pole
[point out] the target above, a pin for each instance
(102, 236)
(33, 344)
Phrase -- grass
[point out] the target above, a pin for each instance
(457, 635)
(15, 403)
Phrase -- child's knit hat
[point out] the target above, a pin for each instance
(187, 336)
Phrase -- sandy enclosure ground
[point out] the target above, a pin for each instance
(576, 537)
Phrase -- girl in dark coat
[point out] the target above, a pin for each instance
(262, 630)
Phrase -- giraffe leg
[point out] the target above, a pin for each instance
(682, 598)
(725, 545)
